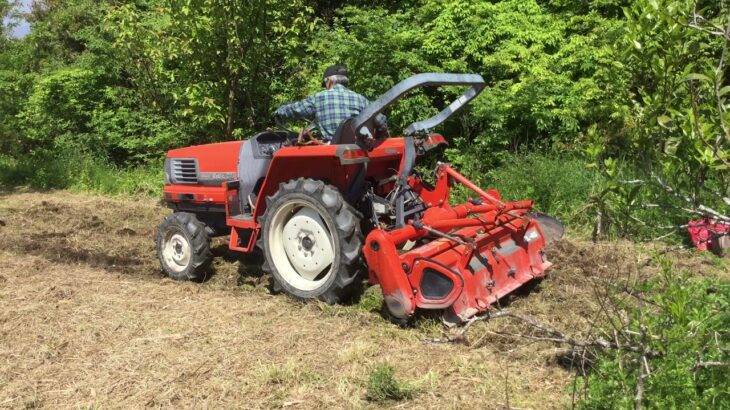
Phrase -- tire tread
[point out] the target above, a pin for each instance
(197, 234)
(344, 218)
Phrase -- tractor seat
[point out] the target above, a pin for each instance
(345, 133)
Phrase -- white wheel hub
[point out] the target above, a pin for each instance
(301, 246)
(176, 251)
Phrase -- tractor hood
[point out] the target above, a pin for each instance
(209, 164)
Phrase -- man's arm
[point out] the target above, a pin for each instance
(297, 110)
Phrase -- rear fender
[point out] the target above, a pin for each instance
(333, 164)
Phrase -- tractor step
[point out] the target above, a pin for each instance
(244, 221)
(242, 217)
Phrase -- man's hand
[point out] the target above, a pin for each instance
(309, 140)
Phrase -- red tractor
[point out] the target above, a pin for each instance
(328, 216)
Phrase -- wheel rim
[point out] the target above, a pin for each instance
(301, 245)
(176, 251)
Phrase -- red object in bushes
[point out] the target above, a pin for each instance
(704, 231)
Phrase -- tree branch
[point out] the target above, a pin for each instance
(706, 365)
(701, 209)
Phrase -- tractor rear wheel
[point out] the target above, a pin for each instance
(183, 247)
(312, 241)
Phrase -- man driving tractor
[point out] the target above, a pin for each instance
(329, 108)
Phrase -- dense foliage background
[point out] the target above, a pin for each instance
(610, 114)
(604, 90)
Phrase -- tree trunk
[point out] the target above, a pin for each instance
(232, 82)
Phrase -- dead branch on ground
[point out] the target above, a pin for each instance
(550, 334)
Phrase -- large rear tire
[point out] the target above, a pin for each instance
(312, 242)
(183, 247)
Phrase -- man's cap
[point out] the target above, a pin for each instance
(335, 70)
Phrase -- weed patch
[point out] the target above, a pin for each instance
(383, 386)
(371, 300)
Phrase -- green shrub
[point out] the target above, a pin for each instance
(59, 105)
(559, 186)
(382, 386)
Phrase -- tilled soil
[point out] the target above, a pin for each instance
(87, 320)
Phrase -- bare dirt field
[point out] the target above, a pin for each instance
(88, 321)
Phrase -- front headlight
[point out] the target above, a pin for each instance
(168, 179)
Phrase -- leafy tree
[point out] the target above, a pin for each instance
(13, 81)
(77, 78)
(211, 62)
(552, 71)
(61, 31)
(5, 8)
(127, 81)
(674, 152)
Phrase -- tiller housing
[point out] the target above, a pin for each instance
(482, 250)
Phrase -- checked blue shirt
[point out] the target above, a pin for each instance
(328, 109)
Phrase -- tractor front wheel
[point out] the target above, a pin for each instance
(312, 241)
(183, 247)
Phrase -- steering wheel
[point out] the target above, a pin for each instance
(305, 136)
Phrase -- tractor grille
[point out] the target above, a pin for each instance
(185, 170)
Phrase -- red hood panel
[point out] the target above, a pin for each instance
(218, 157)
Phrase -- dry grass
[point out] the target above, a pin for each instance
(87, 320)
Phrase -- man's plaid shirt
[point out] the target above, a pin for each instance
(328, 109)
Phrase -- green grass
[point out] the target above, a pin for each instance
(80, 172)
(371, 300)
